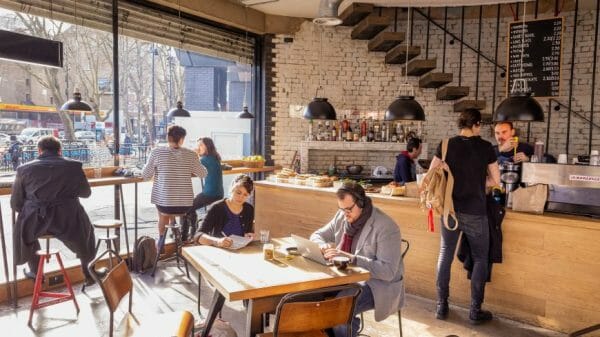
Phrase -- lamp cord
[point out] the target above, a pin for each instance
(244, 104)
(407, 34)
(320, 63)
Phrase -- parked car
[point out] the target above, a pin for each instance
(85, 135)
(4, 139)
(30, 136)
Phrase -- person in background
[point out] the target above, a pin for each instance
(371, 240)
(229, 216)
(16, 151)
(471, 161)
(46, 195)
(172, 168)
(213, 184)
(405, 170)
(505, 149)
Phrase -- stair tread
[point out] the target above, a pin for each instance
(435, 80)
(464, 104)
(420, 67)
(354, 13)
(369, 27)
(397, 55)
(451, 93)
(385, 41)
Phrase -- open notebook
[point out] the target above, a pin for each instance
(239, 241)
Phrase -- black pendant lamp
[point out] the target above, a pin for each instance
(76, 104)
(245, 114)
(519, 106)
(405, 107)
(178, 112)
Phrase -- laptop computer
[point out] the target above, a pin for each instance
(310, 250)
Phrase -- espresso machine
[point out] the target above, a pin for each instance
(572, 189)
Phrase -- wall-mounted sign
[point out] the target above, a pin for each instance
(542, 49)
(30, 49)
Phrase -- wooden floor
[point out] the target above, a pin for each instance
(171, 291)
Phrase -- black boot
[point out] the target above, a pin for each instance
(442, 310)
(478, 316)
(160, 244)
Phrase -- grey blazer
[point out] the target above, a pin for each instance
(378, 250)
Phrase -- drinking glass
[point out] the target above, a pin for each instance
(97, 172)
(264, 236)
(268, 251)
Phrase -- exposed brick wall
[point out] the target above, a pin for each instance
(358, 82)
(199, 80)
(270, 88)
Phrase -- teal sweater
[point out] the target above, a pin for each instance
(213, 183)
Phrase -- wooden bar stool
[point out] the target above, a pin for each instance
(176, 230)
(37, 289)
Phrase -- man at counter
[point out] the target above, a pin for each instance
(505, 150)
(46, 195)
(405, 170)
(371, 240)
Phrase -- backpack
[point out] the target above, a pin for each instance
(144, 254)
(437, 191)
(15, 151)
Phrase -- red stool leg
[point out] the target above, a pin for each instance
(37, 288)
(67, 281)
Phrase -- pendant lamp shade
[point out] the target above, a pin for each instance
(178, 112)
(405, 108)
(76, 104)
(245, 114)
(519, 107)
(319, 108)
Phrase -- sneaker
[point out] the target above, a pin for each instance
(29, 274)
(477, 317)
(442, 310)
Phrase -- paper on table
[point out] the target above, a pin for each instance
(239, 241)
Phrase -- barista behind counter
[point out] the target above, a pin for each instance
(505, 150)
(405, 170)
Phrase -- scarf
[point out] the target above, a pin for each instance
(350, 229)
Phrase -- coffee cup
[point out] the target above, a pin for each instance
(341, 262)
(562, 158)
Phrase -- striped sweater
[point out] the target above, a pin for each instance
(172, 170)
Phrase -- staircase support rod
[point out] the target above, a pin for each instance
(576, 113)
(427, 36)
(462, 33)
(571, 76)
(594, 77)
(548, 126)
(412, 25)
(445, 33)
(459, 39)
(496, 57)
(478, 55)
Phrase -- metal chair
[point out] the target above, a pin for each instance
(300, 314)
(176, 230)
(118, 283)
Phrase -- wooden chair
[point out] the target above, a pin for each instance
(362, 322)
(118, 283)
(300, 315)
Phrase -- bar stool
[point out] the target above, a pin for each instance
(112, 240)
(176, 230)
(37, 289)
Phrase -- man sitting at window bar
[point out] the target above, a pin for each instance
(371, 240)
(46, 195)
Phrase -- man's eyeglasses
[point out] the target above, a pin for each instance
(347, 209)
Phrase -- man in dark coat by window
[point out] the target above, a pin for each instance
(46, 195)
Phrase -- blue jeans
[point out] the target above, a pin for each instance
(475, 229)
(364, 302)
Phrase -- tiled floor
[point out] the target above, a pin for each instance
(172, 291)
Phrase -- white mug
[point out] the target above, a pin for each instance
(562, 158)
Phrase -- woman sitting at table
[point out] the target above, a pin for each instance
(229, 216)
(172, 168)
(213, 185)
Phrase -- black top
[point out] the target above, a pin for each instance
(508, 156)
(468, 159)
(216, 217)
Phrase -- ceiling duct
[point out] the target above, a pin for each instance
(328, 13)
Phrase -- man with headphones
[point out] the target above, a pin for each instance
(371, 240)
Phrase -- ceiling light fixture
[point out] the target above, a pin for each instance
(246, 114)
(179, 111)
(328, 13)
(520, 106)
(405, 107)
(319, 107)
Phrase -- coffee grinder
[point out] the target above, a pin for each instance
(510, 179)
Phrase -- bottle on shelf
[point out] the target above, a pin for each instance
(363, 130)
(400, 132)
(334, 132)
(327, 131)
(377, 131)
(319, 131)
(345, 124)
(383, 132)
(394, 136)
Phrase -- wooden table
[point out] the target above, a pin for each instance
(245, 275)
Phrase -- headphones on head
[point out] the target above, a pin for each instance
(360, 198)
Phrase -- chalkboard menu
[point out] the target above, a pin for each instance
(541, 55)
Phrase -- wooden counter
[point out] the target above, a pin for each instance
(551, 271)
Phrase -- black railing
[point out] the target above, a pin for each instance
(580, 114)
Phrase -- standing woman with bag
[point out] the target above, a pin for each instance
(472, 162)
